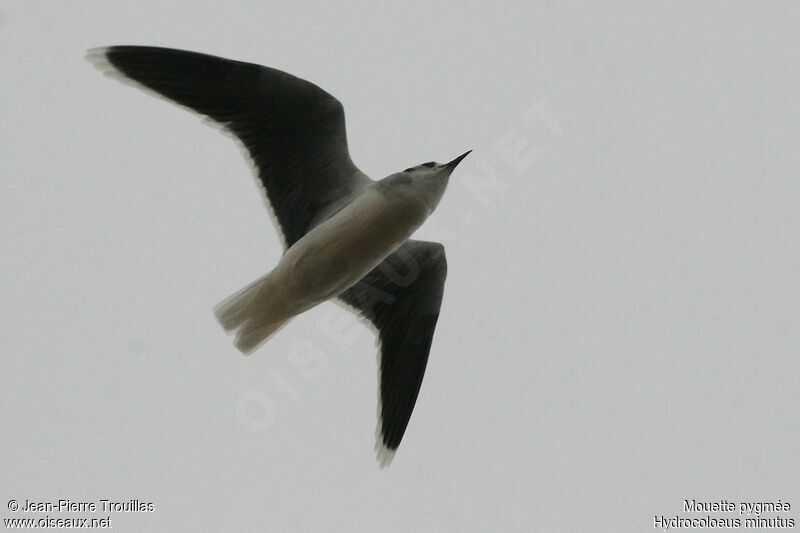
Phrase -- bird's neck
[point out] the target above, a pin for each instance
(431, 191)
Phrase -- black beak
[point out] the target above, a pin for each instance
(452, 164)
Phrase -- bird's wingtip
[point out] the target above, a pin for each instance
(98, 57)
(383, 454)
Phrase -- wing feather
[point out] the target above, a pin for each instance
(293, 130)
(401, 297)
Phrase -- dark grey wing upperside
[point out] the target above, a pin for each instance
(401, 297)
(293, 130)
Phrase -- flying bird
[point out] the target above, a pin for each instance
(346, 236)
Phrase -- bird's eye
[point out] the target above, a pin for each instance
(429, 164)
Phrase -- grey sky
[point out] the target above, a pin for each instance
(619, 329)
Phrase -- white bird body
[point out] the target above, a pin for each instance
(342, 249)
(332, 256)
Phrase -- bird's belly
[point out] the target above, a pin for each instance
(340, 251)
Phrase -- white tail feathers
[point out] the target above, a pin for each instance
(254, 333)
(235, 310)
(254, 313)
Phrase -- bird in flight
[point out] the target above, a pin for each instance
(346, 236)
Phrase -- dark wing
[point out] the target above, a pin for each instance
(401, 297)
(293, 130)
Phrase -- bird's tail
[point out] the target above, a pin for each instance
(253, 312)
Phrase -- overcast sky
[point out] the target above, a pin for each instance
(619, 329)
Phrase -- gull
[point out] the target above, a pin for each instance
(346, 236)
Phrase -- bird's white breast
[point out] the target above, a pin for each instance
(338, 252)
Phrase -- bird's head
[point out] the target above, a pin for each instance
(432, 169)
(426, 181)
